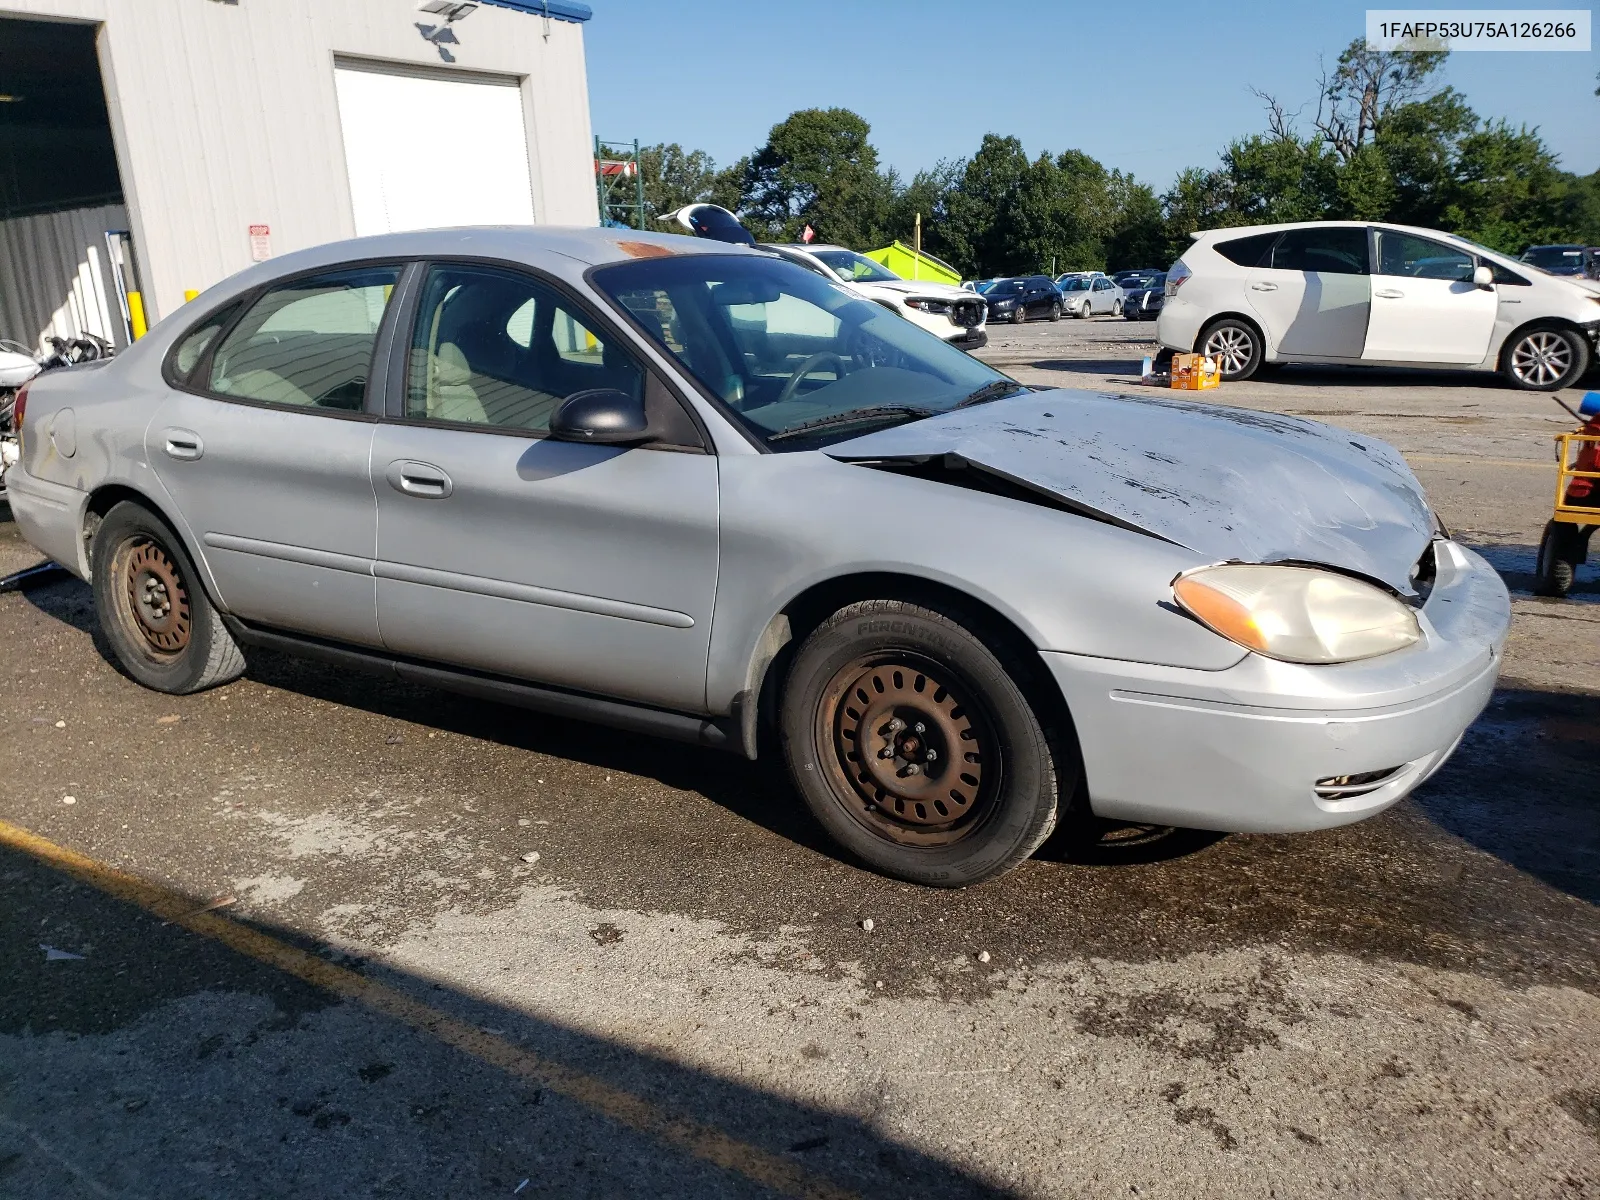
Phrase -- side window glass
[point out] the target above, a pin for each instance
(1333, 251)
(1249, 251)
(1408, 255)
(193, 347)
(499, 349)
(307, 343)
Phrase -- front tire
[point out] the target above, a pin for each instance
(160, 623)
(1018, 315)
(915, 747)
(1545, 358)
(1055, 310)
(1116, 308)
(1235, 345)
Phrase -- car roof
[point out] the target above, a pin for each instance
(515, 243)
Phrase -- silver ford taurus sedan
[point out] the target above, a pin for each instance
(692, 490)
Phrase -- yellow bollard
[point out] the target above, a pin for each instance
(189, 294)
(136, 315)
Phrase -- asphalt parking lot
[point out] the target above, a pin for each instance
(676, 997)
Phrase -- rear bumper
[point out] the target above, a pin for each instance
(1178, 325)
(1243, 749)
(49, 516)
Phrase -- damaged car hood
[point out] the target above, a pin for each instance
(1228, 483)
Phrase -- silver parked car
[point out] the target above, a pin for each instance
(694, 490)
(1084, 293)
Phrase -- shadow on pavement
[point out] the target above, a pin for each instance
(162, 1063)
(1523, 787)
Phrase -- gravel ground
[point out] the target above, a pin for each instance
(1406, 1007)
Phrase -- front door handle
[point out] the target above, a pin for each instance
(1390, 294)
(1263, 287)
(420, 479)
(182, 444)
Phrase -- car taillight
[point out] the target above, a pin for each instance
(18, 408)
(1175, 277)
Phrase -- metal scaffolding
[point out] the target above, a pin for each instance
(617, 183)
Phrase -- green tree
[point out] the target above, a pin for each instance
(672, 178)
(817, 168)
(1508, 190)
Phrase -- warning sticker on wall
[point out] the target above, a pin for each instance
(260, 243)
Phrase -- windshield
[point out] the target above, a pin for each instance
(982, 287)
(1139, 283)
(1079, 284)
(782, 347)
(856, 268)
(1556, 258)
(1002, 287)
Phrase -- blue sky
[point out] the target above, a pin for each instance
(1148, 87)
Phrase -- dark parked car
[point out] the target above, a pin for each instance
(1132, 277)
(1016, 300)
(1583, 261)
(1144, 296)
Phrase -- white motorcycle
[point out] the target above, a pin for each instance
(17, 367)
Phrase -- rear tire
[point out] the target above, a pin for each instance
(917, 749)
(154, 612)
(1545, 358)
(1235, 344)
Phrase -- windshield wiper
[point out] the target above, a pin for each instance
(856, 417)
(992, 391)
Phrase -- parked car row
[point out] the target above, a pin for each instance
(1353, 292)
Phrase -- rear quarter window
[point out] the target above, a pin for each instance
(1247, 251)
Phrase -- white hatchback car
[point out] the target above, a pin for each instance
(1390, 295)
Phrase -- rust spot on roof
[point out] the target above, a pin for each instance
(645, 250)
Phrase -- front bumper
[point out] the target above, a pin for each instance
(1243, 749)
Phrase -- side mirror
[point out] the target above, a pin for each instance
(601, 417)
(1483, 277)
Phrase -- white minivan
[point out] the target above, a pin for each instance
(1384, 295)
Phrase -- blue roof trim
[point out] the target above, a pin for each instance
(561, 10)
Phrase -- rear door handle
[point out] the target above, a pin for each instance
(420, 479)
(182, 444)
(1390, 294)
(1263, 287)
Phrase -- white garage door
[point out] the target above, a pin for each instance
(425, 151)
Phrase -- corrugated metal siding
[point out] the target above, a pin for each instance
(225, 116)
(57, 278)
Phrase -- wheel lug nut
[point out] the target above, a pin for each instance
(913, 769)
(919, 727)
(932, 755)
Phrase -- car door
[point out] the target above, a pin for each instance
(263, 441)
(1101, 296)
(500, 549)
(1425, 307)
(1313, 292)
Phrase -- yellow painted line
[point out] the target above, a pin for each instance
(1460, 460)
(705, 1142)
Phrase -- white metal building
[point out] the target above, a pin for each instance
(204, 134)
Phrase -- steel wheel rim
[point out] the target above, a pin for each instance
(1231, 347)
(910, 754)
(154, 601)
(1541, 358)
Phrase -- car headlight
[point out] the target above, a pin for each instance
(1297, 614)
